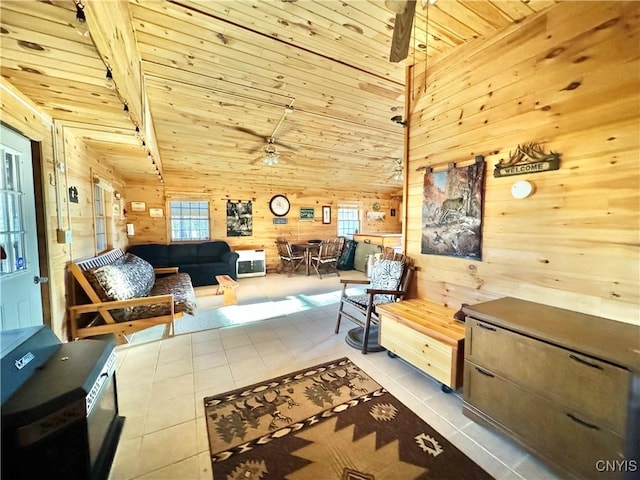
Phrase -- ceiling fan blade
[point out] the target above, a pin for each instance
(249, 131)
(402, 33)
(285, 145)
(256, 148)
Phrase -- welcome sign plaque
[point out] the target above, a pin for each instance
(527, 159)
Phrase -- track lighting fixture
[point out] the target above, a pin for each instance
(125, 111)
(108, 80)
(81, 20)
(138, 134)
(397, 119)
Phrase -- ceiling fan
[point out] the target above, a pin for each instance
(397, 173)
(270, 154)
(405, 11)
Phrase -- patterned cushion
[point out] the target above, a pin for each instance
(127, 277)
(386, 275)
(132, 277)
(184, 299)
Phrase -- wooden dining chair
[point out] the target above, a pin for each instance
(327, 256)
(291, 260)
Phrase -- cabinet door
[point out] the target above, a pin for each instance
(596, 389)
(559, 434)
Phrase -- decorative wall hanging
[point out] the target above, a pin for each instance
(138, 206)
(279, 221)
(239, 218)
(452, 211)
(326, 214)
(307, 213)
(156, 213)
(73, 195)
(375, 216)
(528, 158)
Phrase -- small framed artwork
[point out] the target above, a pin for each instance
(138, 206)
(156, 212)
(306, 213)
(326, 214)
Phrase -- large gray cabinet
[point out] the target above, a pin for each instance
(561, 383)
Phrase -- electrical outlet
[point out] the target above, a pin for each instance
(64, 236)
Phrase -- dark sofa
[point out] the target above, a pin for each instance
(202, 261)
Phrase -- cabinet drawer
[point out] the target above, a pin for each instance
(562, 435)
(429, 355)
(595, 389)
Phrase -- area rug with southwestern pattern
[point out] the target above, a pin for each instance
(329, 421)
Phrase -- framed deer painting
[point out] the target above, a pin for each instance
(452, 211)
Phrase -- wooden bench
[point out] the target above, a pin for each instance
(426, 335)
(227, 286)
(104, 322)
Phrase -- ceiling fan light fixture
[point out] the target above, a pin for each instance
(270, 160)
(397, 176)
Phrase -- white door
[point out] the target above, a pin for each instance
(19, 268)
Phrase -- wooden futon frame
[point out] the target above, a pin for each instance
(110, 325)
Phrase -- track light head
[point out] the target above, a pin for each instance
(397, 119)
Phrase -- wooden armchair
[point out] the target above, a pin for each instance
(390, 278)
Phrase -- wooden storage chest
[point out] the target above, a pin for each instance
(558, 382)
(426, 335)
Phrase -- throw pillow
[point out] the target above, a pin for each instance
(386, 275)
(140, 274)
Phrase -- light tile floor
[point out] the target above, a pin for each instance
(162, 383)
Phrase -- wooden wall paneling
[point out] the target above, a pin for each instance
(583, 218)
(150, 230)
(25, 117)
(78, 159)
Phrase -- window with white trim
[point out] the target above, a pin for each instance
(100, 218)
(189, 220)
(348, 220)
(12, 230)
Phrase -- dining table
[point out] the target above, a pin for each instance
(308, 249)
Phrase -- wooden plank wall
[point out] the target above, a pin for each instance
(155, 230)
(569, 79)
(80, 162)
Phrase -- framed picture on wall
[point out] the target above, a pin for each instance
(326, 214)
(306, 213)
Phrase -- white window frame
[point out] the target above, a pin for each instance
(100, 218)
(12, 231)
(346, 220)
(190, 209)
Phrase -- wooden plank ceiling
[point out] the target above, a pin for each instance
(216, 78)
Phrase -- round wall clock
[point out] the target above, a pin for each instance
(279, 205)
